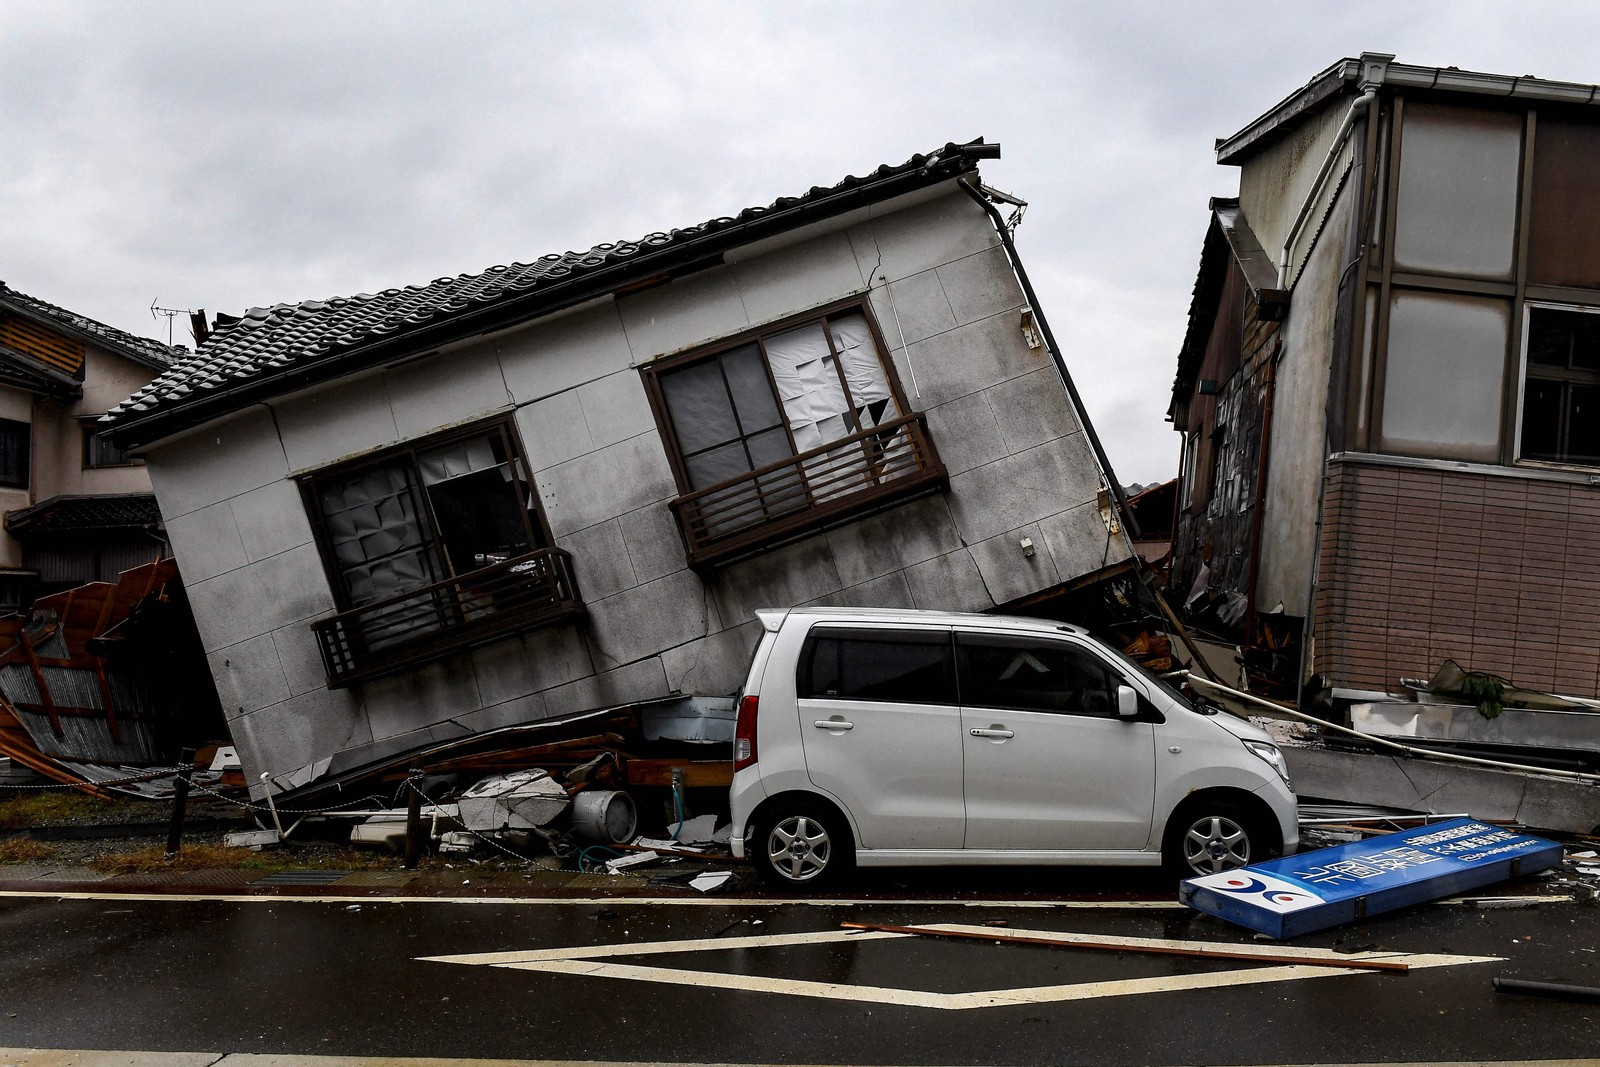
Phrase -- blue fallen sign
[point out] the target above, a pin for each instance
(1315, 890)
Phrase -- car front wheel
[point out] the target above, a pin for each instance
(801, 844)
(1211, 839)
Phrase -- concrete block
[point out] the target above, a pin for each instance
(445, 388)
(646, 619)
(206, 542)
(563, 352)
(781, 578)
(967, 433)
(1029, 486)
(950, 582)
(421, 697)
(301, 658)
(644, 680)
(601, 560)
(1032, 409)
(271, 519)
(249, 675)
(981, 285)
(261, 597)
(682, 313)
(1008, 573)
(504, 670)
(972, 358)
(553, 430)
(867, 548)
(606, 483)
(616, 408)
(715, 665)
(794, 278)
(655, 544)
(220, 461)
(889, 591)
(912, 309)
(1079, 543)
(299, 731)
(336, 421)
(925, 235)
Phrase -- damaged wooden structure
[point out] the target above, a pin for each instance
(1387, 457)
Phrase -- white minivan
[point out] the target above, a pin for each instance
(899, 737)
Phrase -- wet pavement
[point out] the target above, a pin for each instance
(462, 963)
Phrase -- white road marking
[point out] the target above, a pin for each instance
(597, 962)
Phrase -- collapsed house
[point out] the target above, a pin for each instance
(1384, 393)
(549, 487)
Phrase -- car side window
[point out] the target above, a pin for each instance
(1029, 674)
(900, 666)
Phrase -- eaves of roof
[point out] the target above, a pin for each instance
(75, 513)
(1378, 69)
(25, 372)
(1228, 237)
(141, 350)
(271, 351)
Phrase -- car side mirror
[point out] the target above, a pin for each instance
(1127, 702)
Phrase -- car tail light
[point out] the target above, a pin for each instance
(744, 735)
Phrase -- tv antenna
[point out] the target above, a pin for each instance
(170, 313)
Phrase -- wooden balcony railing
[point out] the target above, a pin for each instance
(536, 589)
(816, 488)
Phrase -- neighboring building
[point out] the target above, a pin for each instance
(568, 484)
(76, 508)
(1389, 387)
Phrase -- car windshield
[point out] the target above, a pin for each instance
(1152, 677)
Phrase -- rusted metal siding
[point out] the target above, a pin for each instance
(1496, 573)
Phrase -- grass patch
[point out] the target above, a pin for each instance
(205, 857)
(52, 807)
(25, 850)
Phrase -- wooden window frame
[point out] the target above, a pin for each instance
(24, 431)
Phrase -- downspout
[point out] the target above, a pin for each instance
(1262, 468)
(1363, 103)
(1128, 522)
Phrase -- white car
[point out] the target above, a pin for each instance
(899, 737)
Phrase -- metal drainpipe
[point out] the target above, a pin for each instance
(1263, 466)
(1128, 522)
(1363, 103)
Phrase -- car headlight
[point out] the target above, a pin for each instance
(1270, 753)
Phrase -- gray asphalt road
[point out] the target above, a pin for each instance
(734, 981)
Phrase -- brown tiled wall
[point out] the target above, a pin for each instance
(1499, 574)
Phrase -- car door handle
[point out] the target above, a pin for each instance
(993, 731)
(836, 725)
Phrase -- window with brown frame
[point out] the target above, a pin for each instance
(1561, 390)
(784, 429)
(433, 546)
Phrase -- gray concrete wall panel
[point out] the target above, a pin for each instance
(981, 285)
(605, 484)
(783, 577)
(553, 430)
(454, 385)
(301, 658)
(913, 309)
(207, 542)
(616, 408)
(271, 519)
(950, 582)
(336, 421)
(926, 235)
(655, 545)
(682, 313)
(1008, 574)
(797, 277)
(644, 680)
(649, 618)
(523, 709)
(967, 433)
(562, 353)
(1033, 409)
(301, 730)
(249, 676)
(422, 697)
(972, 358)
(601, 560)
(1023, 488)
(1080, 543)
(290, 587)
(220, 461)
(712, 666)
(558, 655)
(889, 591)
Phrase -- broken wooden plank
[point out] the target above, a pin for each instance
(1123, 946)
(697, 774)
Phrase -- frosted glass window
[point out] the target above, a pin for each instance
(1444, 376)
(1457, 207)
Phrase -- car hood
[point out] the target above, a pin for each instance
(1243, 729)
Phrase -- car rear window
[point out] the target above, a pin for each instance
(898, 666)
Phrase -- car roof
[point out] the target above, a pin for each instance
(773, 618)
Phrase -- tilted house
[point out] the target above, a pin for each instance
(77, 509)
(568, 484)
(1389, 387)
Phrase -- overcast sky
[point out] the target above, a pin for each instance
(219, 156)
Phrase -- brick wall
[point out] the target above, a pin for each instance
(1500, 574)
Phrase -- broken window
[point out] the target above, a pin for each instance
(1561, 387)
(14, 439)
(443, 535)
(778, 423)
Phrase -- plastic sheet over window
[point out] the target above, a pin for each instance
(1444, 376)
(1457, 209)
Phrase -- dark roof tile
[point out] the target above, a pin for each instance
(140, 349)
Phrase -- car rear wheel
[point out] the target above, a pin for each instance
(802, 844)
(1211, 838)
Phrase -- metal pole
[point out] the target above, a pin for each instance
(414, 819)
(180, 801)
